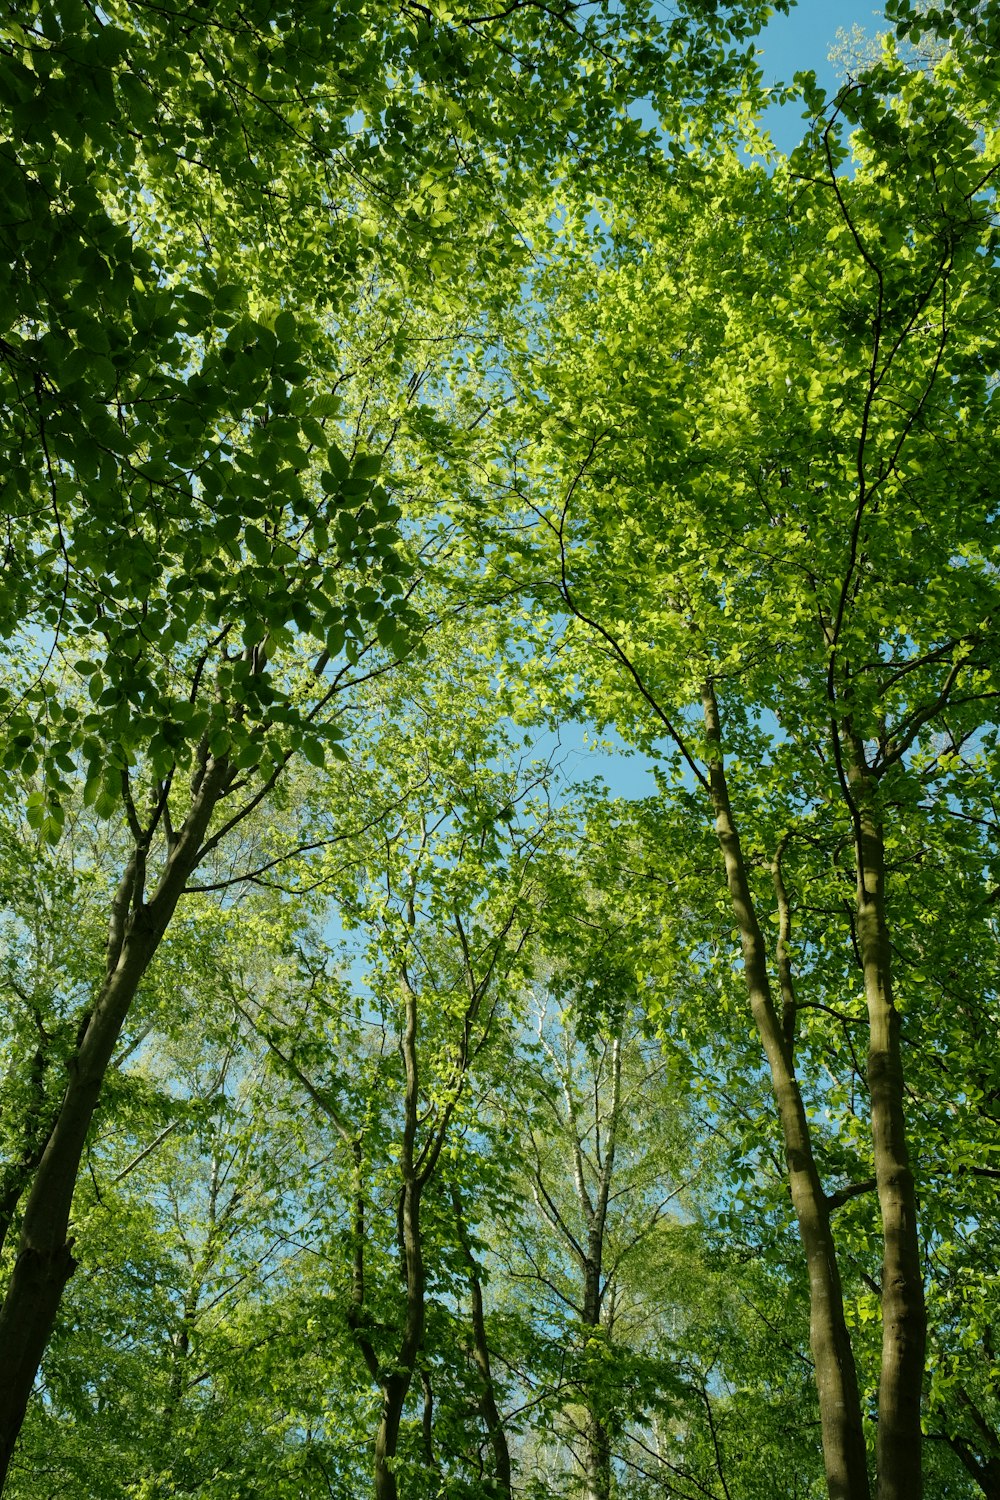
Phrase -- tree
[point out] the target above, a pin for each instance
(600, 1196)
(191, 532)
(181, 1351)
(755, 498)
(443, 896)
(300, 305)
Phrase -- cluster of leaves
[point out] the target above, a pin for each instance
(304, 366)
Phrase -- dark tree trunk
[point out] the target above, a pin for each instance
(488, 1407)
(45, 1260)
(982, 1457)
(596, 1438)
(597, 1459)
(16, 1176)
(986, 1472)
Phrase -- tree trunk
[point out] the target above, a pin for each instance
(904, 1321)
(841, 1425)
(597, 1474)
(38, 1125)
(180, 1355)
(396, 1385)
(597, 1443)
(985, 1470)
(481, 1354)
(45, 1260)
(394, 1389)
(597, 1440)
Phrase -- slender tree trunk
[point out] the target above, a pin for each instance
(841, 1425)
(985, 1470)
(416, 1169)
(427, 1425)
(481, 1354)
(45, 1260)
(160, 1462)
(597, 1444)
(904, 1320)
(16, 1175)
(181, 1341)
(396, 1385)
(597, 1459)
(597, 1440)
(394, 1389)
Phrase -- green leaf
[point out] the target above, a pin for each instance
(285, 326)
(257, 544)
(314, 751)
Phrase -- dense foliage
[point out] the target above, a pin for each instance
(385, 1110)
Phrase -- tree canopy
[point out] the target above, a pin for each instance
(389, 393)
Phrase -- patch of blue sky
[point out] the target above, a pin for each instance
(802, 41)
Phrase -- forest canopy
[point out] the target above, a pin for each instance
(393, 395)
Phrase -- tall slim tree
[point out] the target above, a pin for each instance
(750, 450)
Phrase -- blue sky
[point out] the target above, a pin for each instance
(802, 40)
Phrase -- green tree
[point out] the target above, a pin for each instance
(443, 897)
(600, 1195)
(195, 531)
(191, 1216)
(750, 448)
